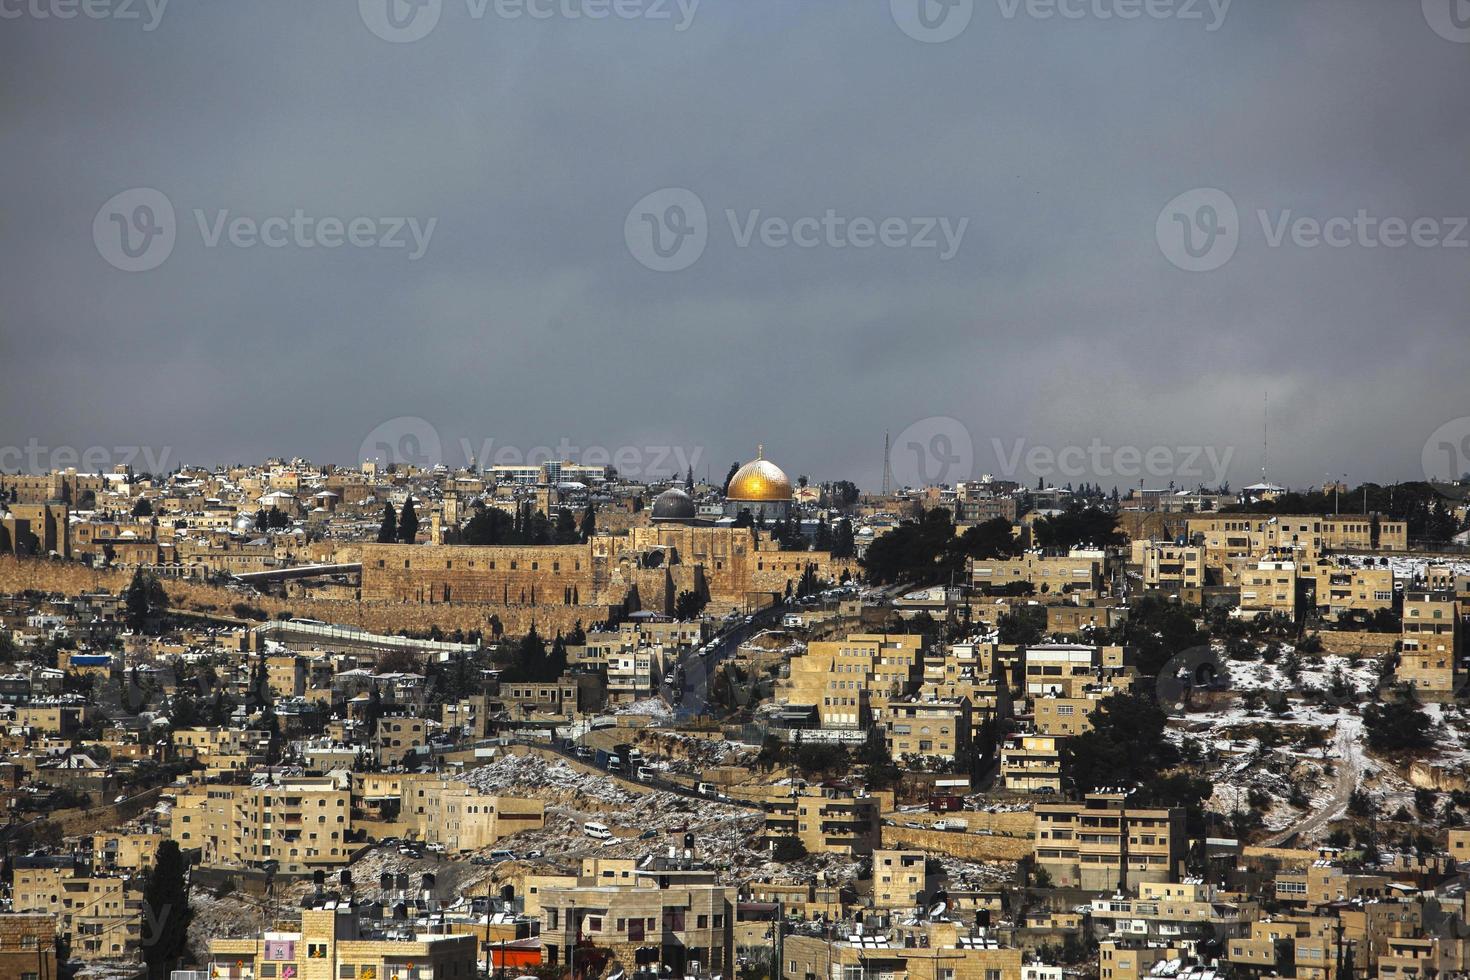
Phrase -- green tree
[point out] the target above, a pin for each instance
(843, 543)
(408, 522)
(725, 489)
(589, 523)
(143, 600)
(142, 508)
(388, 530)
(1399, 725)
(166, 911)
(1025, 625)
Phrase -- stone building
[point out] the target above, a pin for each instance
(330, 945)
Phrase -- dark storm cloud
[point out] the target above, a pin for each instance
(1060, 321)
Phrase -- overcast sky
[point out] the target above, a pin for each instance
(1001, 267)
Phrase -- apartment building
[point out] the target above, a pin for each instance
(124, 851)
(397, 737)
(928, 728)
(1087, 845)
(1269, 588)
(1360, 532)
(931, 954)
(1184, 911)
(1340, 589)
(1429, 660)
(1166, 565)
(28, 946)
(850, 681)
(222, 749)
(827, 819)
(1080, 571)
(101, 916)
(300, 824)
(901, 879)
(1031, 764)
(455, 814)
(683, 925)
(1056, 715)
(331, 945)
(1069, 669)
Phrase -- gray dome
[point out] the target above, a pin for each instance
(673, 505)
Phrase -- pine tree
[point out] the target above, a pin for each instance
(166, 908)
(408, 523)
(734, 468)
(388, 530)
(589, 523)
(566, 527)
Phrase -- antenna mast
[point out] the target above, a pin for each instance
(887, 467)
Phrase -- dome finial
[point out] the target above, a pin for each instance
(760, 451)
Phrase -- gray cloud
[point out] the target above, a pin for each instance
(1059, 320)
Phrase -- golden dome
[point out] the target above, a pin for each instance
(759, 480)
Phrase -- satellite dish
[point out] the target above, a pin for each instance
(938, 909)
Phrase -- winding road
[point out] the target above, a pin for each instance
(1349, 771)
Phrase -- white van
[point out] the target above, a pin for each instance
(596, 830)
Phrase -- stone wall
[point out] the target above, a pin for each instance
(72, 579)
(963, 844)
(1017, 823)
(1357, 643)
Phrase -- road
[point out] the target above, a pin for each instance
(695, 671)
(1348, 773)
